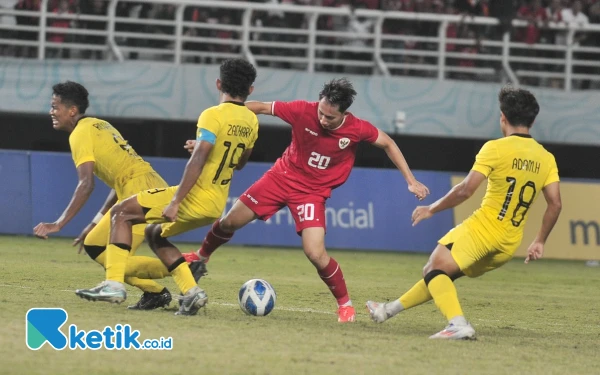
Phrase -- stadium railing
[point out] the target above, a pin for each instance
(314, 49)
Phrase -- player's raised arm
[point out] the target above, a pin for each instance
(554, 206)
(85, 173)
(260, 108)
(458, 194)
(393, 152)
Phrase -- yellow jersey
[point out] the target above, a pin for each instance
(517, 168)
(235, 129)
(115, 161)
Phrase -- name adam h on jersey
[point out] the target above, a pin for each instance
(42, 325)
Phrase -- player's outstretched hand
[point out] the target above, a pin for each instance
(535, 251)
(189, 145)
(419, 190)
(420, 213)
(42, 230)
(81, 238)
(170, 212)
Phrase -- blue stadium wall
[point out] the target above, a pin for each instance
(371, 211)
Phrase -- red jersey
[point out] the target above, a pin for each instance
(318, 160)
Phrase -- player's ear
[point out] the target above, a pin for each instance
(218, 84)
(250, 90)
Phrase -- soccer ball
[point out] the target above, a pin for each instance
(257, 297)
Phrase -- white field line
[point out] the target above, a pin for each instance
(313, 311)
(294, 309)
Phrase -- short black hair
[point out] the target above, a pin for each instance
(518, 105)
(338, 92)
(237, 76)
(72, 93)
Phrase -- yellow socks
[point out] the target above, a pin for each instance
(182, 275)
(416, 295)
(444, 294)
(116, 261)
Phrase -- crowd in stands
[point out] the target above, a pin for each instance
(537, 13)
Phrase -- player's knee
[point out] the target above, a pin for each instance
(155, 238)
(94, 251)
(151, 232)
(433, 274)
(427, 268)
(317, 256)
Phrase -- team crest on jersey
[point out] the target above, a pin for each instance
(344, 142)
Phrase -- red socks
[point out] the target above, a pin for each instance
(214, 238)
(334, 278)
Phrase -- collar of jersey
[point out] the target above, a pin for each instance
(81, 119)
(521, 135)
(236, 103)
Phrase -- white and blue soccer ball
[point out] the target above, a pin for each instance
(257, 297)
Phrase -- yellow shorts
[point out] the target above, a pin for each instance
(474, 254)
(154, 201)
(99, 236)
(150, 180)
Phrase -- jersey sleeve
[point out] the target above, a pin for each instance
(207, 121)
(553, 173)
(368, 132)
(289, 111)
(487, 159)
(82, 145)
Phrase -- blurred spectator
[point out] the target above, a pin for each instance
(226, 34)
(62, 7)
(392, 27)
(161, 12)
(504, 11)
(574, 13)
(470, 7)
(535, 15)
(593, 40)
(472, 49)
(549, 36)
(574, 18)
(7, 31)
(554, 11)
(360, 29)
(195, 14)
(133, 10)
(30, 5)
(96, 8)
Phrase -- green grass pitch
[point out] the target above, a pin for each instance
(541, 318)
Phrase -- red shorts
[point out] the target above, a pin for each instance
(271, 193)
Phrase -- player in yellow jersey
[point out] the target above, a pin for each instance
(518, 169)
(224, 140)
(99, 149)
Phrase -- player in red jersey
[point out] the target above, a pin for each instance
(325, 138)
